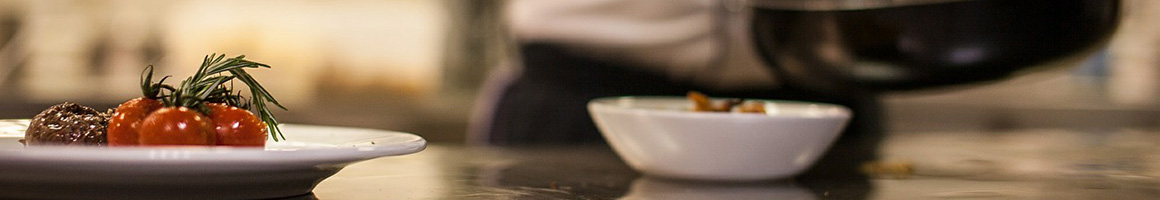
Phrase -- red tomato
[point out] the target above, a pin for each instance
(236, 126)
(176, 126)
(127, 119)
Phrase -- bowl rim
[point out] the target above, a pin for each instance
(606, 104)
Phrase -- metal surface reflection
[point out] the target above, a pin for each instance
(1024, 164)
(1028, 164)
(656, 188)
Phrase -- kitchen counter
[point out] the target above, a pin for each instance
(1017, 164)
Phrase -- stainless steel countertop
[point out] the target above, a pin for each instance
(1018, 164)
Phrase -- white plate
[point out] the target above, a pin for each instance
(281, 169)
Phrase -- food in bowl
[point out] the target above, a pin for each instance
(703, 103)
(202, 110)
(662, 136)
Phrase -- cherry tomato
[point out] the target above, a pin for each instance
(127, 119)
(236, 126)
(176, 126)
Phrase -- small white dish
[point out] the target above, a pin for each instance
(661, 136)
(281, 169)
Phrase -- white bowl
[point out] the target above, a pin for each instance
(661, 136)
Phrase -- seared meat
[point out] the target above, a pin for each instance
(68, 124)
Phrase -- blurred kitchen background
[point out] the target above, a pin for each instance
(407, 65)
(417, 65)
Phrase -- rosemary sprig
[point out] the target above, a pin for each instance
(259, 97)
(208, 85)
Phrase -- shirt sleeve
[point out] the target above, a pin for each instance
(688, 40)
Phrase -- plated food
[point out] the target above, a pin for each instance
(278, 170)
(203, 109)
(171, 124)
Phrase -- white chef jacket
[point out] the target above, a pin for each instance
(702, 42)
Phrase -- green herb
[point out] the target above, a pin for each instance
(209, 85)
